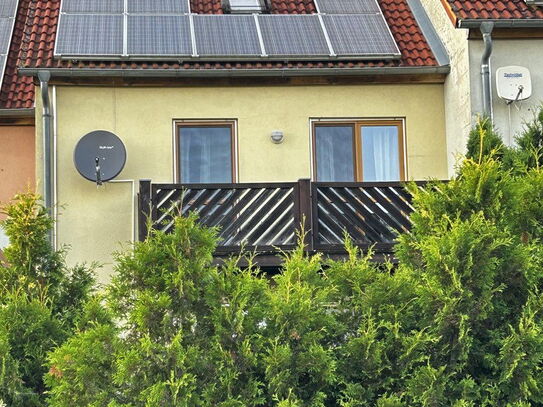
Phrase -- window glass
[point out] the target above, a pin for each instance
(205, 154)
(334, 151)
(380, 153)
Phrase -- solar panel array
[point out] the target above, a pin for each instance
(165, 29)
(8, 11)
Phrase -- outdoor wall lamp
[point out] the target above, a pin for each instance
(277, 136)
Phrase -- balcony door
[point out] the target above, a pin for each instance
(370, 151)
(206, 153)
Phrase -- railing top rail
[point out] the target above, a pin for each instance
(370, 184)
(226, 186)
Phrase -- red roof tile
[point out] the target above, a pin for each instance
(38, 47)
(495, 9)
(17, 92)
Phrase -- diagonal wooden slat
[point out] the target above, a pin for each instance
(389, 206)
(358, 228)
(361, 202)
(372, 215)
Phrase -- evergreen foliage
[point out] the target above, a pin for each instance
(457, 323)
(40, 300)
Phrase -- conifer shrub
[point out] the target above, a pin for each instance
(458, 322)
(40, 301)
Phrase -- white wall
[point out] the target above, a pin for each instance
(4, 241)
(523, 52)
(457, 85)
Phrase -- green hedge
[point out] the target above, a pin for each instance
(458, 323)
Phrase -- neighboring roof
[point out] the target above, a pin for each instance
(494, 10)
(38, 46)
(17, 92)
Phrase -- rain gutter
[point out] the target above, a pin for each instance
(14, 113)
(218, 73)
(502, 23)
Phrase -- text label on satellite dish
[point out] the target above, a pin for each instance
(100, 156)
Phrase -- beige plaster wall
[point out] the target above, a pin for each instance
(94, 221)
(457, 86)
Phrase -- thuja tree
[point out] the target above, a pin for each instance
(457, 323)
(40, 300)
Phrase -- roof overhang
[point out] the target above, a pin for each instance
(502, 23)
(226, 73)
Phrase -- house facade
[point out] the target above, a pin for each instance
(197, 120)
(17, 122)
(515, 38)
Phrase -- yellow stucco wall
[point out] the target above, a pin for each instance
(94, 221)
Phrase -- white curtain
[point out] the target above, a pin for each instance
(334, 148)
(206, 154)
(380, 153)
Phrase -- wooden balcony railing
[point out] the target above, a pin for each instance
(265, 217)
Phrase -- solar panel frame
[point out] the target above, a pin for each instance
(159, 7)
(110, 32)
(365, 36)
(291, 32)
(348, 6)
(92, 7)
(238, 36)
(6, 34)
(154, 34)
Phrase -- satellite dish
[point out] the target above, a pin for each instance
(100, 156)
(513, 83)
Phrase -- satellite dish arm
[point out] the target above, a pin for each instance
(98, 171)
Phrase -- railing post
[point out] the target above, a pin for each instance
(144, 208)
(305, 215)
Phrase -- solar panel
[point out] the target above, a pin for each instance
(222, 35)
(348, 6)
(158, 6)
(360, 35)
(293, 35)
(159, 35)
(2, 63)
(93, 6)
(6, 25)
(8, 8)
(90, 35)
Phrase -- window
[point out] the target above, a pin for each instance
(360, 150)
(206, 152)
(245, 6)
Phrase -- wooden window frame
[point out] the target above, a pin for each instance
(179, 124)
(358, 125)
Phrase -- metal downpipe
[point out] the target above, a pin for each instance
(44, 77)
(486, 29)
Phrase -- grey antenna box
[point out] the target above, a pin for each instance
(100, 156)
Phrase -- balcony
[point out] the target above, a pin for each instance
(265, 217)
